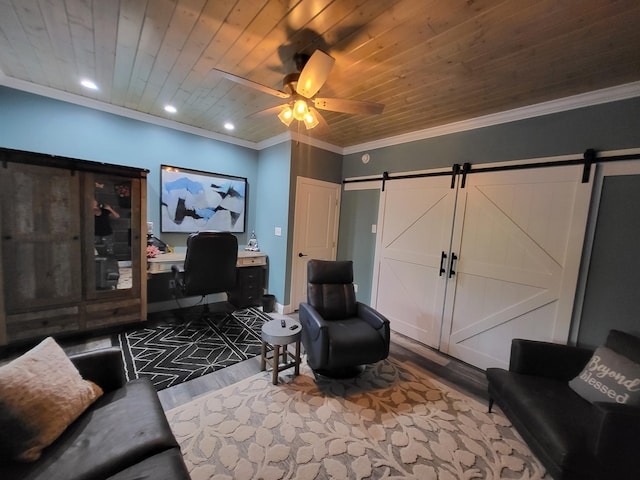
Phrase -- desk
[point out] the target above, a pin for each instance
(250, 283)
(162, 263)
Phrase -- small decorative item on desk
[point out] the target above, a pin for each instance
(252, 245)
(152, 252)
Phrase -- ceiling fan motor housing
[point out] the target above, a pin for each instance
(300, 59)
(289, 82)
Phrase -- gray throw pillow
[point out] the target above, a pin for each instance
(609, 377)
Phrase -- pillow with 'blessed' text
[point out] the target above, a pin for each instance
(609, 377)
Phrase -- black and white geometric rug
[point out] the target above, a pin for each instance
(170, 352)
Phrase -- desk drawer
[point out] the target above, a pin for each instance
(249, 261)
(249, 287)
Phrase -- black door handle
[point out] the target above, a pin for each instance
(452, 272)
(300, 254)
(443, 257)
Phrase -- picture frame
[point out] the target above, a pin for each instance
(193, 201)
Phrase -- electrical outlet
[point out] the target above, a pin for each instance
(355, 287)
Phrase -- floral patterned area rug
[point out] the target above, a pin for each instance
(394, 421)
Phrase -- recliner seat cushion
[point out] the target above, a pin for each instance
(353, 342)
(120, 429)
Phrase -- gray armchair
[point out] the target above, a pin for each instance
(339, 334)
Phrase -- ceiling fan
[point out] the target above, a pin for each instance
(300, 89)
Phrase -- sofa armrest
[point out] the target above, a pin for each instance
(546, 359)
(104, 367)
(616, 433)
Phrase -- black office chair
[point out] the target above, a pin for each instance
(209, 266)
(339, 334)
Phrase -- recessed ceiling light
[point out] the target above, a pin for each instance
(170, 109)
(89, 84)
(229, 126)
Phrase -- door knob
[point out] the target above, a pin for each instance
(300, 254)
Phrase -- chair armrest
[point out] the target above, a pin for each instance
(372, 316)
(617, 427)
(546, 359)
(311, 321)
(178, 275)
(104, 367)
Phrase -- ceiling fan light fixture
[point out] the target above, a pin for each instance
(311, 120)
(286, 115)
(300, 110)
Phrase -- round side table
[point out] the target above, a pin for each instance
(274, 333)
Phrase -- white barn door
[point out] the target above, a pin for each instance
(515, 238)
(415, 220)
(518, 238)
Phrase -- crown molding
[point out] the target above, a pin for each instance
(298, 137)
(606, 95)
(270, 142)
(597, 97)
(291, 136)
(120, 111)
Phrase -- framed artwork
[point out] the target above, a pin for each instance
(193, 201)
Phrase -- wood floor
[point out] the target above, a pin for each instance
(448, 370)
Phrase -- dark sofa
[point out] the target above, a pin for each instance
(124, 435)
(572, 438)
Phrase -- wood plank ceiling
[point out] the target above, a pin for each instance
(431, 62)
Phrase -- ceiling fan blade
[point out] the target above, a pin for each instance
(314, 73)
(268, 111)
(349, 106)
(250, 84)
(323, 126)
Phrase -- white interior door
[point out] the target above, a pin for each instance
(518, 238)
(409, 287)
(317, 211)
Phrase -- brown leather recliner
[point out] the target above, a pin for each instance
(339, 334)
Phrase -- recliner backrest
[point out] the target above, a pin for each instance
(330, 288)
(210, 263)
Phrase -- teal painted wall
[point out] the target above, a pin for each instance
(40, 124)
(611, 126)
(274, 167)
(358, 211)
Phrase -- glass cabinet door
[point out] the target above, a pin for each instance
(112, 233)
